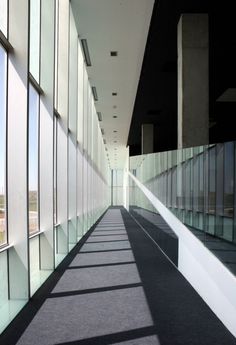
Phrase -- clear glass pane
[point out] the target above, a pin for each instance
(188, 184)
(3, 67)
(212, 180)
(34, 38)
(33, 158)
(4, 16)
(219, 178)
(228, 179)
(201, 184)
(198, 186)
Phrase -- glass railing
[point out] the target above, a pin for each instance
(198, 185)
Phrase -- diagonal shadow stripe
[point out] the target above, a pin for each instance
(107, 241)
(109, 230)
(101, 265)
(105, 250)
(14, 331)
(116, 337)
(108, 235)
(96, 290)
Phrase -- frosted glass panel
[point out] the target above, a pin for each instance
(34, 38)
(80, 95)
(2, 145)
(3, 290)
(73, 73)
(3, 279)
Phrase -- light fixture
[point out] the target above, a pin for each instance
(114, 93)
(114, 53)
(86, 52)
(94, 91)
(114, 116)
(114, 106)
(104, 140)
(99, 116)
(102, 130)
(114, 131)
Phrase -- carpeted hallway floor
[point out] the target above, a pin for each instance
(116, 287)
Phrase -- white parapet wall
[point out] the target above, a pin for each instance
(204, 271)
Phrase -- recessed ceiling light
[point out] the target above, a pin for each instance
(114, 116)
(114, 131)
(114, 93)
(114, 53)
(99, 116)
(94, 91)
(86, 52)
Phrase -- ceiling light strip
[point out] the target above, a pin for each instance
(94, 91)
(86, 52)
(99, 116)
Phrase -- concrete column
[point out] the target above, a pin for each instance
(147, 138)
(193, 80)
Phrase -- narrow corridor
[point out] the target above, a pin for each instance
(116, 288)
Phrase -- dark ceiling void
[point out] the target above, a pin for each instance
(156, 99)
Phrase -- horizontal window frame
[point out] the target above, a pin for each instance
(5, 43)
(5, 247)
(36, 233)
(36, 85)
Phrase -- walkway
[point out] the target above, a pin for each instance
(116, 287)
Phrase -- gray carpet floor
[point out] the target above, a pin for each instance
(116, 287)
(116, 301)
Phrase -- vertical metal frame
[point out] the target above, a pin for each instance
(234, 218)
(5, 151)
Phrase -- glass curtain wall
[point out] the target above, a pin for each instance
(198, 186)
(52, 157)
(117, 176)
